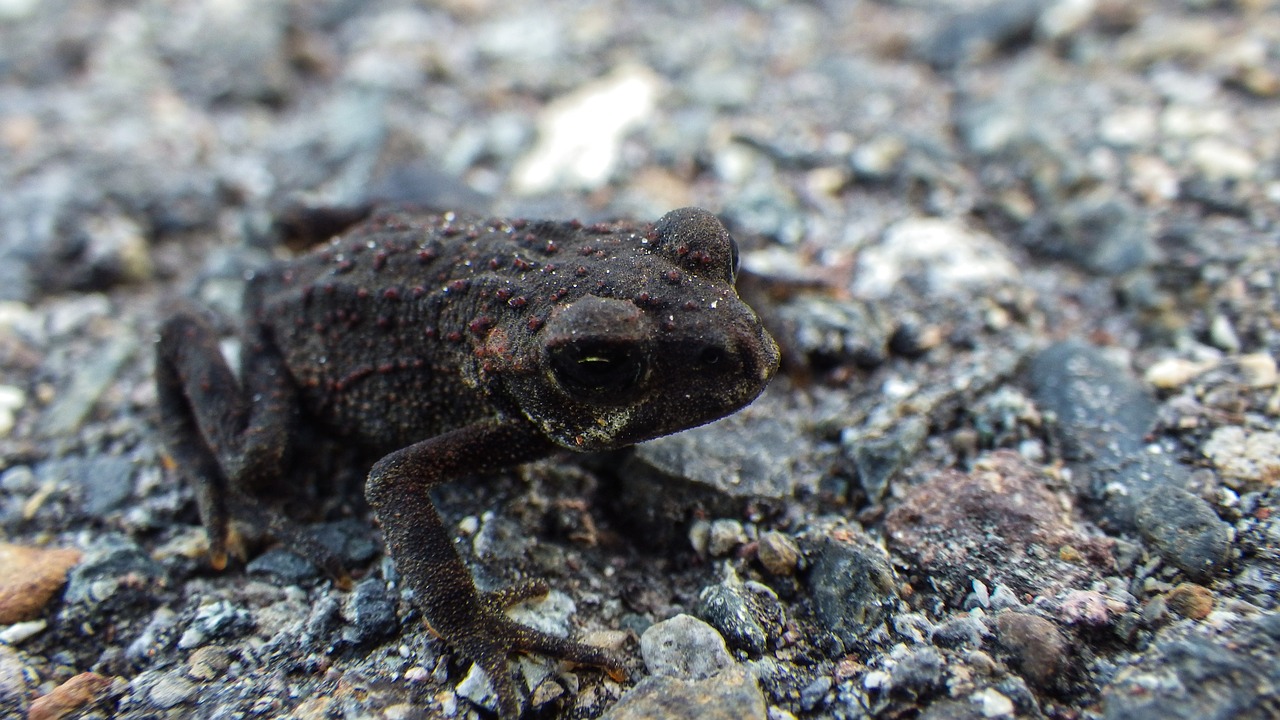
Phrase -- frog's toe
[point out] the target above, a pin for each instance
(489, 652)
(535, 641)
(509, 700)
(518, 593)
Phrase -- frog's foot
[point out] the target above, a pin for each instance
(492, 636)
(293, 536)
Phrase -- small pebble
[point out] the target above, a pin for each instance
(1173, 373)
(1037, 649)
(1244, 457)
(69, 697)
(20, 632)
(853, 586)
(684, 647)
(171, 690)
(778, 553)
(11, 401)
(725, 535)
(208, 662)
(992, 703)
(30, 577)
(1191, 601)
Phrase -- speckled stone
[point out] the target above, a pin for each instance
(733, 694)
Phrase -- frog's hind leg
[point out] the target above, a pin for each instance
(292, 535)
(223, 443)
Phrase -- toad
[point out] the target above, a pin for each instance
(450, 347)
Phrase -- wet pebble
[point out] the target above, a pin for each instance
(853, 585)
(748, 615)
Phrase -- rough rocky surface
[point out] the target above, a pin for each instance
(1021, 256)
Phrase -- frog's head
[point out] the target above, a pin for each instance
(670, 346)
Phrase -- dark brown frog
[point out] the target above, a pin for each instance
(450, 347)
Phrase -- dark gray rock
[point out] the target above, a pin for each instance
(917, 672)
(371, 612)
(974, 35)
(112, 577)
(1103, 415)
(107, 481)
(853, 587)
(747, 615)
(961, 631)
(814, 694)
(283, 566)
(1106, 237)
(754, 458)
(828, 332)
(351, 541)
(1232, 677)
(878, 459)
(1184, 530)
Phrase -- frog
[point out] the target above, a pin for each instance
(447, 347)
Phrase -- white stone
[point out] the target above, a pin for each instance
(580, 135)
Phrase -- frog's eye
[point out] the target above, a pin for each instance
(594, 368)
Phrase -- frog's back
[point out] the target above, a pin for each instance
(382, 328)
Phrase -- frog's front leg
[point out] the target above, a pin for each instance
(474, 624)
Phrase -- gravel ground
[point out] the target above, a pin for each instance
(1023, 258)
